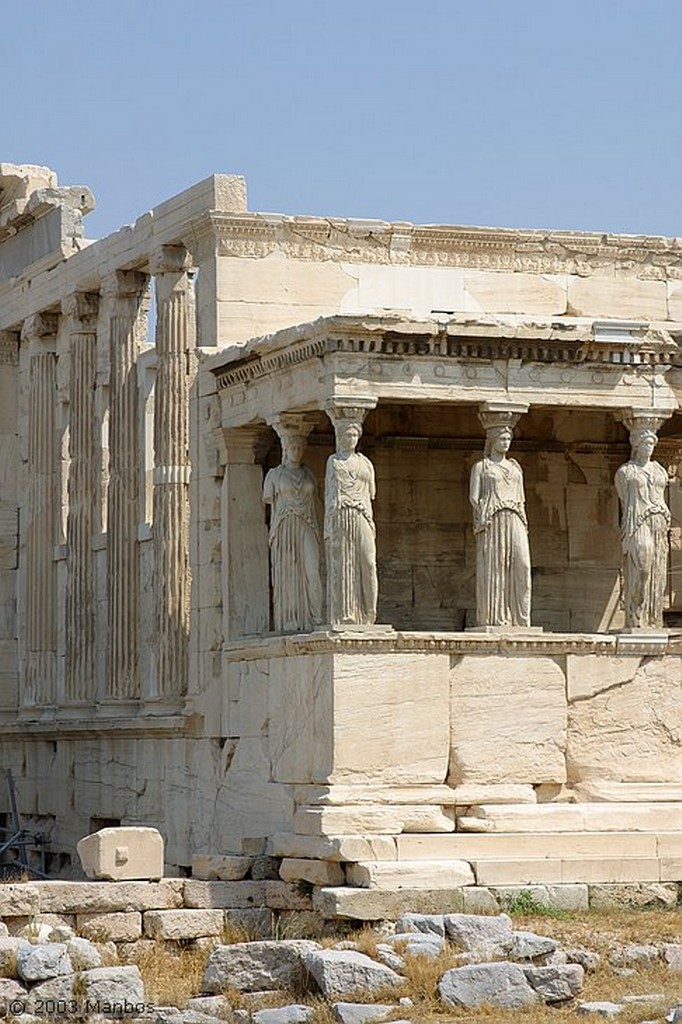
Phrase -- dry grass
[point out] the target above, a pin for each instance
(172, 977)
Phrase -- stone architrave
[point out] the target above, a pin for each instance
(349, 530)
(291, 491)
(503, 588)
(172, 469)
(644, 523)
(81, 310)
(41, 611)
(124, 292)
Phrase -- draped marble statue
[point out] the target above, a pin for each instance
(500, 526)
(644, 525)
(291, 491)
(349, 529)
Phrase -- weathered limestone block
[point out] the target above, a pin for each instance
(257, 966)
(10, 947)
(83, 954)
(367, 726)
(636, 709)
(342, 973)
(116, 927)
(106, 897)
(385, 905)
(625, 298)
(473, 793)
(113, 985)
(295, 1013)
(372, 819)
(410, 874)
(318, 872)
(182, 924)
(38, 963)
(636, 894)
(497, 984)
(236, 895)
(601, 817)
(226, 869)
(488, 743)
(333, 848)
(122, 853)
(361, 1013)
(556, 983)
(10, 991)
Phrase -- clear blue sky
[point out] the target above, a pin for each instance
(523, 113)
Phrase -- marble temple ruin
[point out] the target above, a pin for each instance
(354, 542)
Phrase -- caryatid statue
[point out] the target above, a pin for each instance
(499, 511)
(349, 530)
(644, 525)
(291, 491)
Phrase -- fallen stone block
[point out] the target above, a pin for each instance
(341, 973)
(643, 894)
(473, 933)
(389, 957)
(296, 1013)
(556, 983)
(361, 1013)
(601, 1009)
(529, 946)
(634, 955)
(52, 991)
(257, 966)
(38, 963)
(587, 958)
(672, 955)
(498, 984)
(426, 924)
(126, 853)
(213, 1006)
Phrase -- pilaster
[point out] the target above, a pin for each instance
(124, 292)
(81, 310)
(246, 593)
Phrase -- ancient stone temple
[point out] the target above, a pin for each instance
(354, 542)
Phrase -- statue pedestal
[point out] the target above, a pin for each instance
(506, 630)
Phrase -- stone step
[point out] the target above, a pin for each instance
(432, 874)
(594, 817)
(595, 870)
(446, 874)
(504, 845)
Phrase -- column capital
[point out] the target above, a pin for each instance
(40, 327)
(292, 423)
(9, 347)
(343, 409)
(245, 444)
(124, 283)
(169, 259)
(637, 419)
(501, 414)
(83, 309)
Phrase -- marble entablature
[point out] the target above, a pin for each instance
(167, 657)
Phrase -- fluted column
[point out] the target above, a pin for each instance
(41, 510)
(171, 471)
(81, 308)
(124, 292)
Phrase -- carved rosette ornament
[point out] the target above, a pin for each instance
(503, 588)
(290, 490)
(644, 522)
(349, 530)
